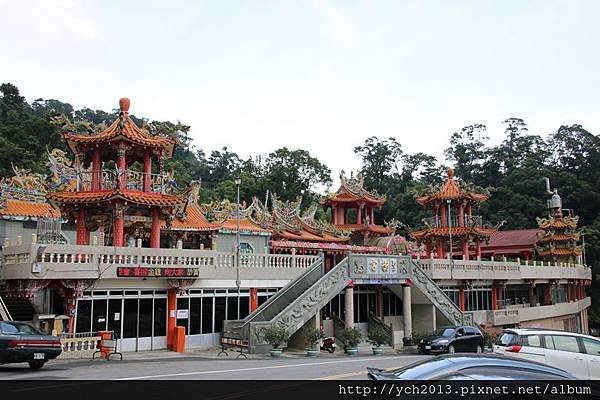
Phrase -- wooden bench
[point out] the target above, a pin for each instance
(229, 342)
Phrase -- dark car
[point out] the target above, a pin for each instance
(21, 342)
(453, 339)
(471, 367)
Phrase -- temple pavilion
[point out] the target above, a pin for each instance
(114, 196)
(453, 230)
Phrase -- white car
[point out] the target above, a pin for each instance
(573, 352)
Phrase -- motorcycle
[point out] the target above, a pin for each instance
(328, 344)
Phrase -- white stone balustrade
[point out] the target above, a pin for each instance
(78, 347)
(93, 262)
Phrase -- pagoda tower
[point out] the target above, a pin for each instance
(122, 191)
(353, 208)
(558, 241)
(453, 229)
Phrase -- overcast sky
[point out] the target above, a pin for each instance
(317, 75)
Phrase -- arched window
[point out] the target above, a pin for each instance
(246, 248)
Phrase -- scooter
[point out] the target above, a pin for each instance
(328, 344)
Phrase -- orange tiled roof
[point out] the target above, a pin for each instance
(576, 251)
(122, 128)
(558, 223)
(559, 237)
(144, 198)
(451, 190)
(20, 208)
(457, 231)
(310, 237)
(245, 225)
(196, 221)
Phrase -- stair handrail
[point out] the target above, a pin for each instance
(240, 327)
(374, 320)
(439, 298)
(5, 313)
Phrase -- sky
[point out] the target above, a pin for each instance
(315, 74)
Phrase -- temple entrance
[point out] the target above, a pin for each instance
(138, 318)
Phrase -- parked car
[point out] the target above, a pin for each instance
(453, 339)
(574, 352)
(471, 367)
(21, 342)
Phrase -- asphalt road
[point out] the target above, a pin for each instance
(198, 368)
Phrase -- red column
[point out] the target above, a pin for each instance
(253, 299)
(440, 249)
(359, 214)
(155, 230)
(171, 316)
(428, 249)
(494, 297)
(118, 226)
(478, 251)
(461, 215)
(461, 298)
(82, 235)
(443, 216)
(334, 214)
(96, 170)
(373, 215)
(465, 249)
(147, 172)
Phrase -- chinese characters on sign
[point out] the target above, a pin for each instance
(143, 272)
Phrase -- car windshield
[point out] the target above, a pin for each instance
(24, 329)
(507, 339)
(445, 332)
(425, 369)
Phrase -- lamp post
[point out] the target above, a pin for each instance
(238, 282)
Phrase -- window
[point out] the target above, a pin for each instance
(8, 328)
(531, 341)
(507, 339)
(591, 346)
(207, 314)
(84, 316)
(246, 248)
(160, 317)
(562, 343)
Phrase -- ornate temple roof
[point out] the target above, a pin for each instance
(142, 198)
(484, 232)
(558, 222)
(123, 128)
(453, 190)
(195, 220)
(352, 190)
(559, 252)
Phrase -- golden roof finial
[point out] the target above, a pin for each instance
(450, 173)
(124, 103)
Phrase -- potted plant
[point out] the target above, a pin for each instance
(276, 336)
(312, 335)
(377, 336)
(351, 338)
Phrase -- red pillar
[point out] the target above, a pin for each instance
(253, 299)
(171, 316)
(440, 249)
(373, 215)
(461, 215)
(82, 235)
(478, 250)
(443, 216)
(428, 250)
(147, 172)
(118, 226)
(494, 297)
(334, 214)
(359, 213)
(96, 170)
(461, 298)
(155, 230)
(465, 249)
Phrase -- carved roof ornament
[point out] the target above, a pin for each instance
(453, 189)
(24, 185)
(353, 190)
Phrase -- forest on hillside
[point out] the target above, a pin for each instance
(514, 169)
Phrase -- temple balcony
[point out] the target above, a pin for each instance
(60, 261)
(517, 315)
(503, 270)
(133, 180)
(474, 221)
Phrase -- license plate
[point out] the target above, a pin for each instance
(39, 356)
(427, 347)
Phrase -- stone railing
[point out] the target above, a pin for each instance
(79, 345)
(134, 180)
(55, 261)
(501, 270)
(521, 314)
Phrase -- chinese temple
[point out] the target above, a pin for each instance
(120, 202)
(453, 222)
(559, 237)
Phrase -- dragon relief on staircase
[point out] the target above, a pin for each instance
(308, 304)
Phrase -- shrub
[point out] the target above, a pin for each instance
(312, 335)
(351, 337)
(275, 336)
(377, 336)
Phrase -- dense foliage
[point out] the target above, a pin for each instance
(570, 157)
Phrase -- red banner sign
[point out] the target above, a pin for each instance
(143, 272)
